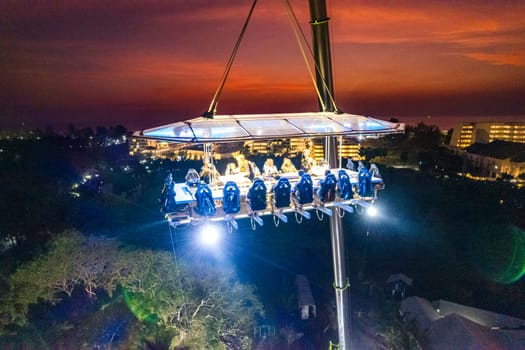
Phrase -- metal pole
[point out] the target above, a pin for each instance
(321, 49)
(322, 56)
(341, 285)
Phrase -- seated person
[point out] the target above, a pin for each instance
(209, 172)
(320, 168)
(288, 166)
(242, 164)
(192, 178)
(253, 170)
(231, 169)
(350, 164)
(168, 181)
(269, 168)
(307, 161)
(374, 170)
(167, 197)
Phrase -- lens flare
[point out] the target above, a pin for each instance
(140, 307)
(500, 253)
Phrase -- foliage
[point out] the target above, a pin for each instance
(406, 148)
(202, 306)
(390, 338)
(424, 136)
(439, 160)
(370, 153)
(70, 261)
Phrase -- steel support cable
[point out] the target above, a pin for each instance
(213, 105)
(297, 28)
(332, 57)
(325, 85)
(179, 272)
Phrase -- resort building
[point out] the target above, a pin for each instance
(466, 134)
(347, 148)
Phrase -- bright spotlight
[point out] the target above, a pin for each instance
(209, 235)
(371, 211)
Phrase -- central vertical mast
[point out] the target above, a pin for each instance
(321, 47)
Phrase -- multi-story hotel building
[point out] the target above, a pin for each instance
(465, 134)
(347, 148)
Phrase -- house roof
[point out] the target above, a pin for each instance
(483, 317)
(462, 327)
(420, 311)
(456, 332)
(399, 277)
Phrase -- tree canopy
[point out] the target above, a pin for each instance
(202, 306)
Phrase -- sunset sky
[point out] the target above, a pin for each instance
(147, 63)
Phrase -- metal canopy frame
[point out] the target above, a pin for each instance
(248, 127)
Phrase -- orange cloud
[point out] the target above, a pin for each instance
(514, 59)
(469, 29)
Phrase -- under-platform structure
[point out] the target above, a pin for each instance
(328, 189)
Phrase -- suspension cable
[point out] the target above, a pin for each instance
(213, 105)
(179, 270)
(334, 77)
(297, 29)
(298, 34)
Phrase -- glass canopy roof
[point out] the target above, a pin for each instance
(246, 127)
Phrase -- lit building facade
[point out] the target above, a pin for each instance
(489, 167)
(149, 148)
(466, 134)
(154, 149)
(347, 148)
